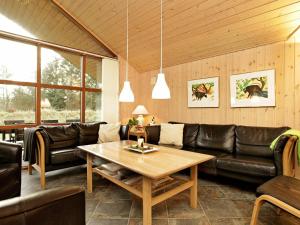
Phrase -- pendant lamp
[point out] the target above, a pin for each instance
(161, 89)
(126, 94)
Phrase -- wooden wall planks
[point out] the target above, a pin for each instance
(126, 109)
(284, 57)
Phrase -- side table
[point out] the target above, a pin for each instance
(138, 132)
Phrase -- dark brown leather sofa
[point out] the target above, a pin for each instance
(241, 152)
(57, 146)
(60, 206)
(10, 170)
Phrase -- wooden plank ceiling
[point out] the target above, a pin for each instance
(46, 22)
(193, 29)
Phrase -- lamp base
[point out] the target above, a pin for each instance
(140, 120)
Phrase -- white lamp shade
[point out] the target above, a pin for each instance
(126, 94)
(140, 110)
(161, 89)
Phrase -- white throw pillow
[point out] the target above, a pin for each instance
(109, 132)
(171, 134)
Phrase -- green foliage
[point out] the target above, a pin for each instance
(58, 72)
(62, 116)
(62, 72)
(243, 83)
(240, 87)
(132, 122)
(23, 98)
(208, 84)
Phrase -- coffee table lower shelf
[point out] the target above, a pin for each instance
(145, 190)
(159, 193)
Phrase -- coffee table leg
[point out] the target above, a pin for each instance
(89, 173)
(147, 198)
(194, 188)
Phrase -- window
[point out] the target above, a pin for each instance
(17, 105)
(60, 85)
(60, 68)
(20, 66)
(17, 100)
(93, 111)
(93, 82)
(93, 75)
(60, 105)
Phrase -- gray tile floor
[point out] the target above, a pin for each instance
(219, 202)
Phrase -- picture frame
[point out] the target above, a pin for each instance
(256, 89)
(203, 92)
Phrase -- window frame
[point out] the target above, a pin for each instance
(39, 85)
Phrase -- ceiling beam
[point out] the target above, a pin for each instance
(291, 34)
(33, 41)
(84, 28)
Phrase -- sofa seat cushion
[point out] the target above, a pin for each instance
(9, 180)
(213, 162)
(251, 165)
(60, 156)
(171, 146)
(284, 188)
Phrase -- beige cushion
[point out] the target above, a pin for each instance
(109, 132)
(171, 134)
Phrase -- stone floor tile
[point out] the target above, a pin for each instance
(158, 211)
(154, 222)
(108, 222)
(179, 207)
(210, 192)
(199, 221)
(220, 202)
(114, 210)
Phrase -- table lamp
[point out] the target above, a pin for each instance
(140, 110)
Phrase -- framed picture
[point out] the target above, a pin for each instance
(253, 89)
(203, 92)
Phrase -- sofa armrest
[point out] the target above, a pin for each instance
(10, 153)
(55, 206)
(278, 152)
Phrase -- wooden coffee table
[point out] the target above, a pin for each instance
(152, 167)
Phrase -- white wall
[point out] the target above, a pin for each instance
(110, 90)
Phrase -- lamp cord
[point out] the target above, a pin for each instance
(127, 42)
(161, 41)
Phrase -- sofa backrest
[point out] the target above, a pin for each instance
(153, 134)
(219, 137)
(65, 136)
(88, 132)
(124, 132)
(256, 141)
(190, 132)
(62, 136)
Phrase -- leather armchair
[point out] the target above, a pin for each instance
(10, 170)
(59, 206)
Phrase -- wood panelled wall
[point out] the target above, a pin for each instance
(284, 57)
(126, 109)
